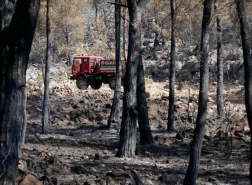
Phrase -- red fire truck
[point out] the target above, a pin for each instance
(94, 70)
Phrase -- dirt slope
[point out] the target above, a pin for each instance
(77, 150)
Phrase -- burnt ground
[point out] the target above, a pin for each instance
(77, 150)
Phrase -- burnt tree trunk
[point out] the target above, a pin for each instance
(156, 40)
(196, 145)
(127, 141)
(23, 129)
(143, 117)
(170, 124)
(124, 35)
(18, 22)
(247, 67)
(220, 103)
(45, 115)
(115, 110)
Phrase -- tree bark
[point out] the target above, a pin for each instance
(45, 115)
(127, 141)
(115, 110)
(220, 103)
(18, 22)
(23, 129)
(170, 124)
(196, 145)
(247, 67)
(156, 40)
(124, 35)
(143, 117)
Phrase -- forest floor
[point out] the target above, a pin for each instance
(77, 150)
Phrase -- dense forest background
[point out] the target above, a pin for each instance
(88, 27)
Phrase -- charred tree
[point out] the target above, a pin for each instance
(18, 22)
(170, 124)
(45, 115)
(244, 30)
(143, 117)
(23, 131)
(196, 144)
(127, 141)
(115, 110)
(220, 103)
(124, 35)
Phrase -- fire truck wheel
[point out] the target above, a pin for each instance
(96, 86)
(81, 83)
(112, 83)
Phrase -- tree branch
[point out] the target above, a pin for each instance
(119, 4)
(5, 158)
(142, 3)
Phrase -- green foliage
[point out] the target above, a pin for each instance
(100, 44)
(164, 33)
(69, 25)
(72, 24)
(67, 28)
(187, 15)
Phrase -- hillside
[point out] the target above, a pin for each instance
(78, 150)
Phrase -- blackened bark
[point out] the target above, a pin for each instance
(143, 117)
(247, 67)
(220, 103)
(18, 21)
(115, 110)
(23, 131)
(170, 124)
(45, 115)
(196, 145)
(124, 36)
(96, 10)
(156, 40)
(127, 142)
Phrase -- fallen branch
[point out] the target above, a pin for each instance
(119, 4)
(5, 159)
